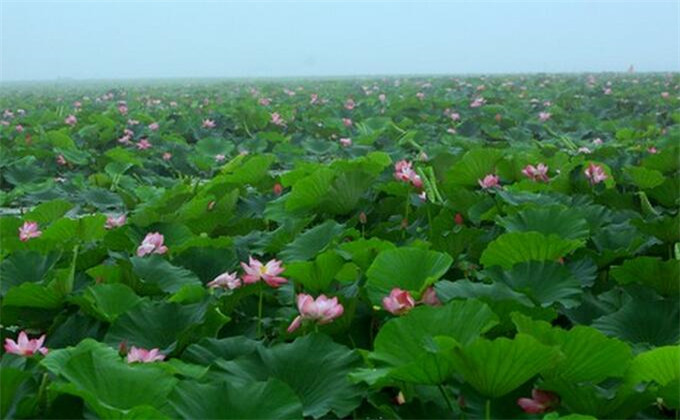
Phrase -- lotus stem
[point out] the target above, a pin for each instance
(259, 313)
(446, 397)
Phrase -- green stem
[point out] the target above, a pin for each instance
(42, 400)
(446, 397)
(487, 410)
(259, 313)
(406, 210)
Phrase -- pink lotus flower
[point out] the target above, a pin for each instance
(597, 142)
(595, 173)
(208, 124)
(323, 310)
(125, 140)
(154, 126)
(61, 160)
(345, 142)
(430, 297)
(420, 95)
(489, 181)
(143, 144)
(652, 150)
(28, 231)
(113, 222)
(264, 101)
(398, 301)
(347, 122)
(477, 102)
(537, 173)
(540, 402)
(422, 196)
(132, 122)
(382, 98)
(277, 189)
(19, 128)
(665, 95)
(313, 98)
(220, 157)
(71, 120)
(404, 172)
(123, 109)
(256, 271)
(167, 156)
(25, 347)
(8, 113)
(276, 119)
(144, 356)
(225, 280)
(544, 116)
(454, 116)
(152, 244)
(583, 150)
(607, 91)
(350, 104)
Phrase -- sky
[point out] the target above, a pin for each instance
(97, 39)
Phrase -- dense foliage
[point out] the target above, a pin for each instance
(482, 247)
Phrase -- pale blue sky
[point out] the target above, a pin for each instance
(159, 39)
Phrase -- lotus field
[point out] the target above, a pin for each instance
(451, 248)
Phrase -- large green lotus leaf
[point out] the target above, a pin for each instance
(108, 301)
(552, 220)
(661, 276)
(402, 339)
(516, 247)
(212, 146)
(545, 282)
(154, 324)
(466, 289)
(497, 367)
(610, 399)
(48, 212)
(308, 244)
(363, 251)
(34, 295)
(23, 171)
(589, 355)
(643, 320)
(84, 229)
(207, 262)
(155, 270)
(665, 161)
(405, 343)
(474, 165)
(258, 400)
(665, 228)
(406, 268)
(25, 266)
(102, 198)
(347, 189)
(110, 386)
(311, 191)
(15, 385)
(660, 365)
(314, 366)
(208, 350)
(316, 275)
(645, 178)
